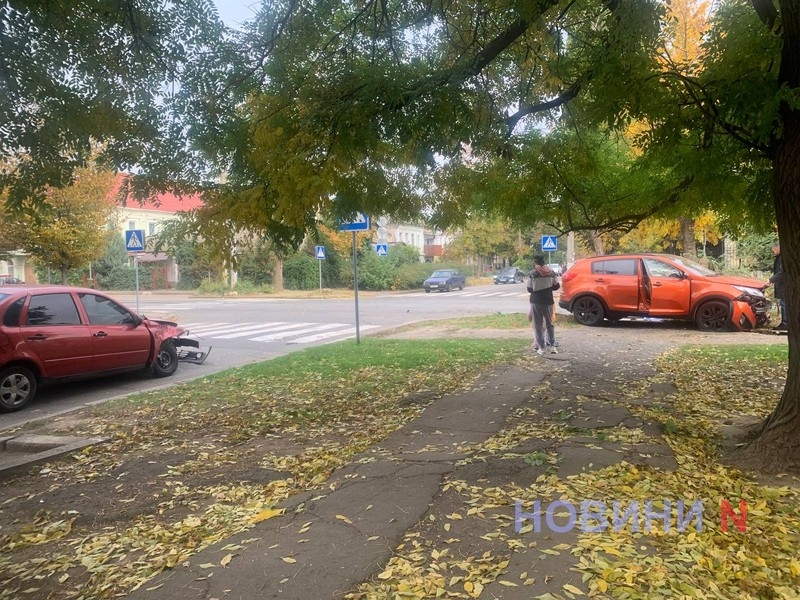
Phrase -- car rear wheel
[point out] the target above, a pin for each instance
(712, 316)
(588, 311)
(17, 388)
(166, 362)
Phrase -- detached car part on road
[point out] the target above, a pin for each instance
(663, 286)
(445, 280)
(61, 333)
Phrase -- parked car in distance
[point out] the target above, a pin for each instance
(445, 280)
(60, 333)
(556, 268)
(509, 275)
(664, 286)
(8, 280)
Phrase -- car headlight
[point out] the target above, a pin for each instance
(749, 290)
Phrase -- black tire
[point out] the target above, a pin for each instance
(447, 288)
(427, 291)
(18, 387)
(461, 287)
(588, 310)
(166, 362)
(713, 316)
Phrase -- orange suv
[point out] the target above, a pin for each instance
(664, 286)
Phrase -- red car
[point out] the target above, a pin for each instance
(664, 286)
(57, 333)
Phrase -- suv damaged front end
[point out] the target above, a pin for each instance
(750, 309)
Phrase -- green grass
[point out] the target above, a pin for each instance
(766, 354)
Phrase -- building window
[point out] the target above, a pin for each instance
(131, 224)
(151, 228)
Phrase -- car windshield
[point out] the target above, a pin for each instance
(442, 274)
(508, 271)
(3, 296)
(693, 267)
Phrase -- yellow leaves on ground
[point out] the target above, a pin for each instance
(638, 565)
(267, 514)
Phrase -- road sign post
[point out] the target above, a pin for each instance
(359, 222)
(135, 242)
(320, 254)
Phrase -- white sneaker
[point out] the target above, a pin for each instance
(540, 351)
(553, 350)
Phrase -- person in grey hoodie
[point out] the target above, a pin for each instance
(542, 283)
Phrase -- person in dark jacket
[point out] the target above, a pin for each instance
(542, 283)
(778, 280)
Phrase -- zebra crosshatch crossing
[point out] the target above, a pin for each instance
(277, 331)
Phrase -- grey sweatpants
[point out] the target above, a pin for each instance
(543, 324)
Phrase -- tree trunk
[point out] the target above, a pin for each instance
(64, 275)
(777, 446)
(597, 242)
(277, 275)
(688, 244)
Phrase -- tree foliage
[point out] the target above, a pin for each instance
(70, 227)
(131, 75)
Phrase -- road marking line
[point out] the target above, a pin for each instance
(350, 333)
(279, 336)
(277, 326)
(230, 328)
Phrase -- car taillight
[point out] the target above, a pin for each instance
(568, 276)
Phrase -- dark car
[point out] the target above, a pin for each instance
(59, 333)
(510, 275)
(661, 286)
(8, 280)
(445, 280)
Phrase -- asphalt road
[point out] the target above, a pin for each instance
(246, 330)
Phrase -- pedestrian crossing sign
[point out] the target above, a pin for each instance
(549, 243)
(320, 252)
(358, 222)
(381, 249)
(134, 240)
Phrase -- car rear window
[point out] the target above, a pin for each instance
(52, 309)
(616, 266)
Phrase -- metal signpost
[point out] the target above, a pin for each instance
(359, 222)
(135, 242)
(320, 254)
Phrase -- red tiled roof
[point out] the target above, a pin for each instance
(165, 202)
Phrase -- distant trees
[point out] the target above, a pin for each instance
(70, 227)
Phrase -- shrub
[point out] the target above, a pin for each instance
(300, 272)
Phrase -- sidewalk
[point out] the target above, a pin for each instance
(425, 505)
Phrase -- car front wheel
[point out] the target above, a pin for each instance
(17, 388)
(712, 316)
(588, 311)
(166, 362)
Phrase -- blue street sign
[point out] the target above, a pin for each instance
(382, 249)
(360, 222)
(549, 243)
(134, 240)
(320, 252)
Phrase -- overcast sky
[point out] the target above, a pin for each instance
(235, 12)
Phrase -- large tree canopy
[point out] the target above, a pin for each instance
(122, 74)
